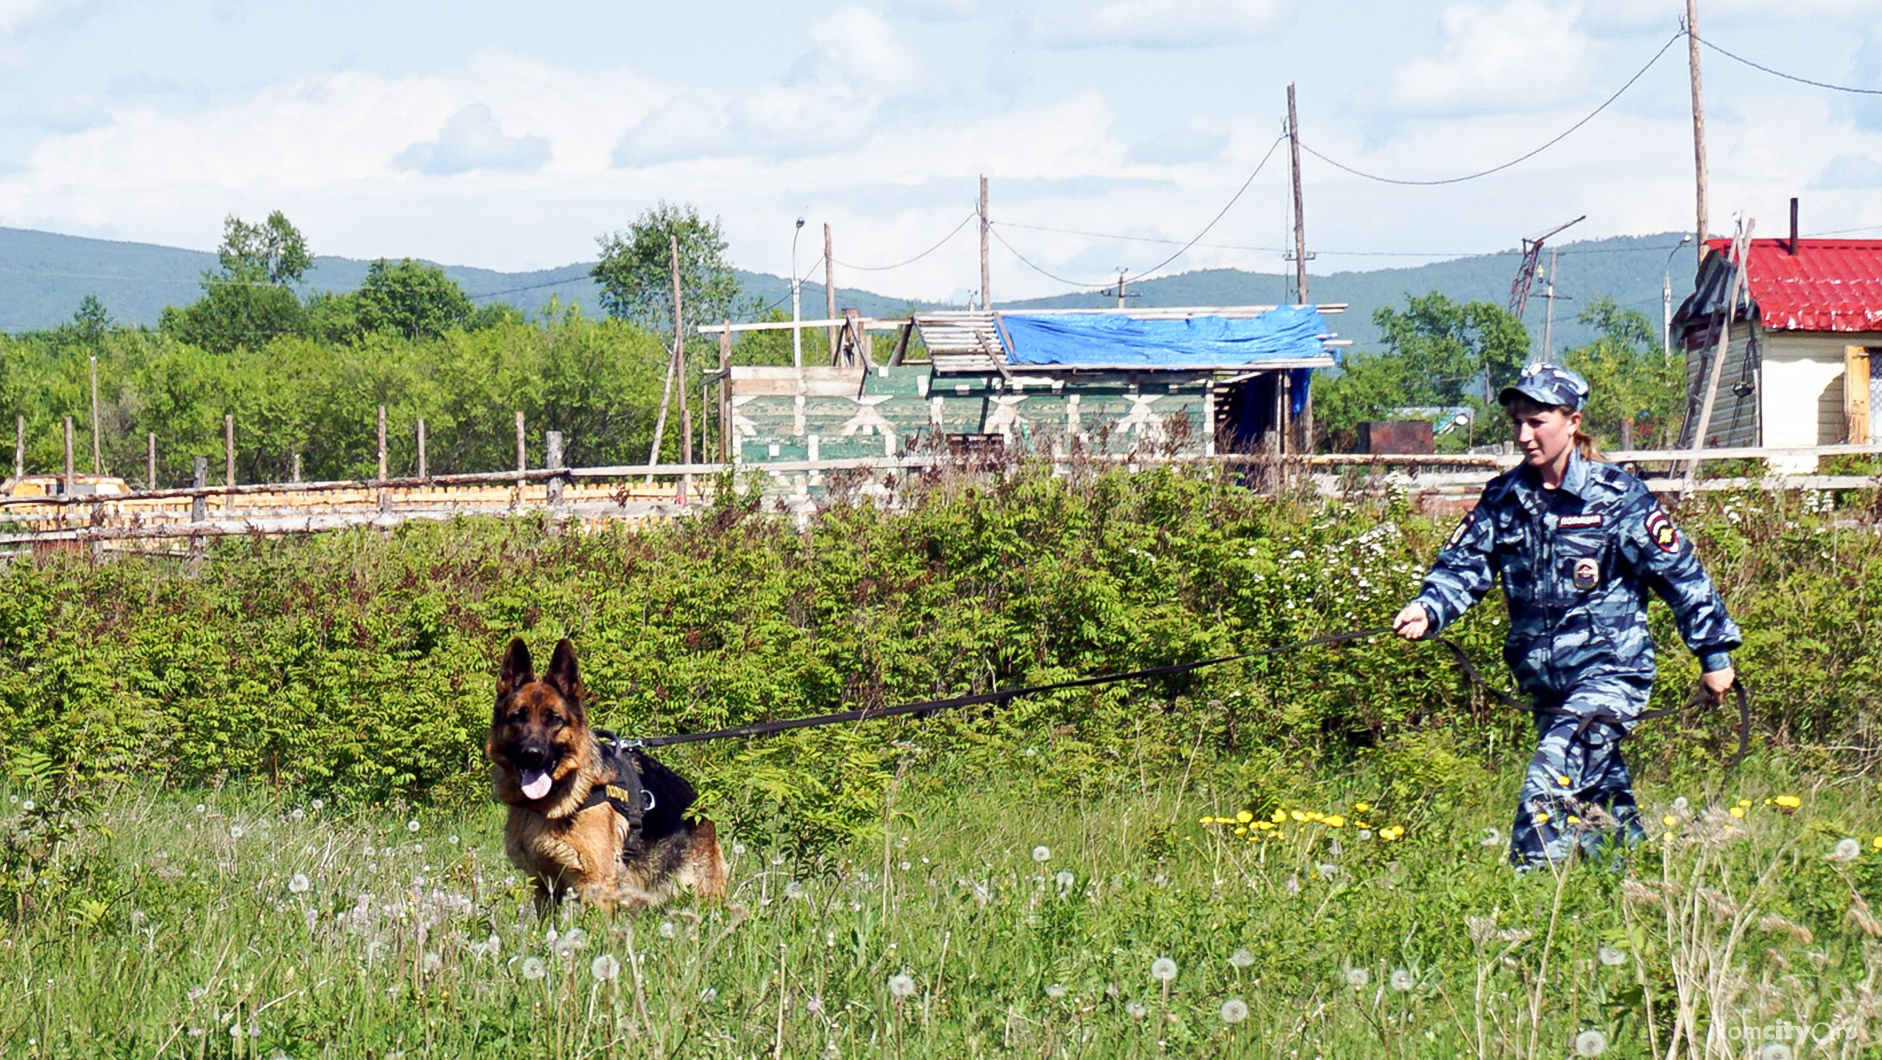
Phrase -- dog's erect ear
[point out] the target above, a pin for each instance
(517, 669)
(563, 673)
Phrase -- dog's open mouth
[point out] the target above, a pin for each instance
(536, 783)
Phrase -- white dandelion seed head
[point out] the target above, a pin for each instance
(793, 890)
(1065, 879)
(1680, 805)
(1364, 834)
(1611, 956)
(1775, 1051)
(236, 831)
(1234, 1010)
(1055, 990)
(431, 963)
(906, 866)
(533, 968)
(1326, 871)
(452, 840)
(1136, 1010)
(1490, 838)
(1242, 958)
(200, 808)
(299, 883)
(1591, 1043)
(738, 850)
(604, 967)
(1163, 969)
(1357, 978)
(1402, 979)
(1042, 853)
(572, 940)
(709, 995)
(668, 929)
(318, 805)
(813, 1005)
(412, 825)
(1846, 850)
(901, 985)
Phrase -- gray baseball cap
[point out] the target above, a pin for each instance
(1548, 384)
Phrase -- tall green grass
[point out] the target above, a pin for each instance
(984, 920)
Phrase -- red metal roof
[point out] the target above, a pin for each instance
(1828, 285)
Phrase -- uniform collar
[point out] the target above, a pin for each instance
(1574, 483)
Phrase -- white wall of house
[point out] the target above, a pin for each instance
(1803, 385)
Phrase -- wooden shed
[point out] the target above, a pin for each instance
(1174, 381)
(1796, 371)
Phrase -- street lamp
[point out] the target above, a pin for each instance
(797, 332)
(1666, 301)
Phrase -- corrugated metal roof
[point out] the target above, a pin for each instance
(1828, 285)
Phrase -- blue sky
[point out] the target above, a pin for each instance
(510, 136)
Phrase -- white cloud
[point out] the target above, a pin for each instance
(17, 13)
(1523, 54)
(1151, 23)
(474, 139)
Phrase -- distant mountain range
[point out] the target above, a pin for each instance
(43, 277)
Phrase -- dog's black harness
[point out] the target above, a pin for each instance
(648, 795)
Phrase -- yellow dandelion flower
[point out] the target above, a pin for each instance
(1298, 816)
(1206, 820)
(1789, 802)
(1361, 807)
(1738, 811)
(1564, 781)
(1878, 842)
(1572, 819)
(1264, 825)
(1361, 824)
(1315, 815)
(1745, 803)
(1335, 821)
(1669, 820)
(1241, 831)
(1278, 816)
(1243, 817)
(1540, 818)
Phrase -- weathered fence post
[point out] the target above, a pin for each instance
(228, 449)
(199, 510)
(19, 448)
(297, 468)
(67, 488)
(382, 443)
(150, 461)
(522, 452)
(424, 470)
(553, 440)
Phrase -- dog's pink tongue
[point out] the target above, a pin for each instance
(536, 784)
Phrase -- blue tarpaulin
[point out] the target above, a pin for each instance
(1286, 333)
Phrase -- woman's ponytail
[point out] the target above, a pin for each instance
(1588, 447)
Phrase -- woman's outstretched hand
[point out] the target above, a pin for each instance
(1413, 623)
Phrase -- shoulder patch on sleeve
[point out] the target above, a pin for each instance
(1463, 527)
(1661, 531)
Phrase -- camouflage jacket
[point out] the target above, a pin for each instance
(1576, 564)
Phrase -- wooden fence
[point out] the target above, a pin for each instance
(157, 521)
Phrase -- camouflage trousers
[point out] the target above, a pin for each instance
(1577, 791)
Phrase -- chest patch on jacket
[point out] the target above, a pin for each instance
(1662, 532)
(1578, 522)
(1587, 574)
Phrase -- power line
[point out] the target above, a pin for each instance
(1233, 199)
(916, 258)
(1520, 158)
(1785, 76)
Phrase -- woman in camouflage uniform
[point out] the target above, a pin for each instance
(1578, 543)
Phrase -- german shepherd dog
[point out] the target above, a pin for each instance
(571, 823)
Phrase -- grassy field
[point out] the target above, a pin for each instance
(983, 921)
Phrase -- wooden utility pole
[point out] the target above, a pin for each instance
(829, 291)
(522, 452)
(69, 472)
(725, 390)
(1300, 223)
(424, 469)
(986, 284)
(150, 475)
(1698, 124)
(1120, 288)
(228, 449)
(382, 443)
(679, 357)
(1548, 316)
(19, 447)
(97, 461)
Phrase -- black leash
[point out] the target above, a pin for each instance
(767, 728)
